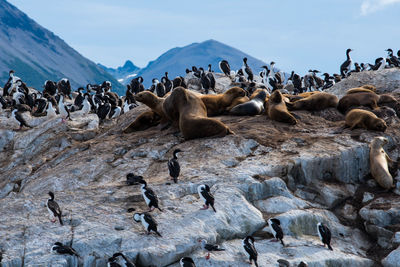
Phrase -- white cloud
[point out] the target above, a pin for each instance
(371, 6)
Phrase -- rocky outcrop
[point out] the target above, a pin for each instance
(304, 174)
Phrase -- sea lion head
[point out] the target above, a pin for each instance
(380, 125)
(276, 97)
(236, 92)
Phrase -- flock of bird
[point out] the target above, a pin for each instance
(57, 97)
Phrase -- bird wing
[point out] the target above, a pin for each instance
(150, 194)
(250, 249)
(53, 206)
(174, 168)
(150, 220)
(207, 195)
(325, 233)
(278, 230)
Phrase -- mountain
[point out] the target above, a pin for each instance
(176, 60)
(126, 72)
(36, 54)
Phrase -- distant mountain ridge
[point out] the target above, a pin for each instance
(121, 73)
(36, 54)
(176, 60)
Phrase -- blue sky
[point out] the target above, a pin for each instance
(297, 35)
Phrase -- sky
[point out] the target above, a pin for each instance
(297, 35)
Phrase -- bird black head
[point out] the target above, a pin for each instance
(187, 71)
(349, 50)
(265, 67)
(245, 60)
(51, 194)
(187, 259)
(272, 63)
(58, 244)
(389, 50)
(316, 71)
(276, 221)
(143, 182)
(249, 238)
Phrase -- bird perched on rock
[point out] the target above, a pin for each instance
(132, 179)
(174, 167)
(276, 230)
(59, 248)
(205, 194)
(148, 222)
(324, 234)
(248, 245)
(225, 68)
(209, 247)
(187, 262)
(345, 67)
(149, 196)
(17, 116)
(128, 262)
(53, 208)
(112, 262)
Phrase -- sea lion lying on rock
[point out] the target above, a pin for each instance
(144, 121)
(218, 104)
(367, 99)
(318, 101)
(363, 89)
(277, 109)
(191, 113)
(252, 107)
(152, 101)
(378, 160)
(359, 118)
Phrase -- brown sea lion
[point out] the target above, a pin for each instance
(363, 89)
(277, 109)
(252, 107)
(191, 113)
(307, 94)
(144, 121)
(152, 101)
(218, 104)
(359, 118)
(315, 102)
(378, 160)
(367, 99)
(387, 100)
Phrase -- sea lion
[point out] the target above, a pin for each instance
(238, 101)
(152, 101)
(367, 88)
(378, 160)
(144, 121)
(277, 109)
(387, 100)
(251, 108)
(307, 94)
(318, 101)
(218, 104)
(191, 113)
(359, 118)
(367, 99)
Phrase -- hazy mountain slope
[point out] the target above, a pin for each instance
(176, 60)
(122, 72)
(36, 54)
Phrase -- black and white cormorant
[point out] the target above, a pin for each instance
(149, 196)
(53, 208)
(167, 83)
(63, 109)
(59, 248)
(329, 81)
(205, 195)
(159, 88)
(393, 60)
(148, 222)
(128, 262)
(205, 81)
(103, 111)
(345, 67)
(211, 78)
(225, 68)
(187, 262)
(209, 247)
(78, 101)
(17, 116)
(64, 87)
(324, 234)
(276, 230)
(247, 70)
(174, 167)
(248, 245)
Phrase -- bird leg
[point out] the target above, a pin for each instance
(151, 209)
(53, 220)
(274, 240)
(63, 120)
(205, 207)
(208, 256)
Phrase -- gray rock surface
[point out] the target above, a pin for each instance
(302, 175)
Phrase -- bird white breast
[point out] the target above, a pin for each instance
(86, 107)
(271, 228)
(116, 113)
(319, 233)
(50, 111)
(126, 107)
(199, 189)
(144, 223)
(146, 199)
